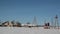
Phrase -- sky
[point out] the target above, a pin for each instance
(25, 10)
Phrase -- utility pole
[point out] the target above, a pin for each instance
(52, 23)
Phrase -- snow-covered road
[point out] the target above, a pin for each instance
(25, 30)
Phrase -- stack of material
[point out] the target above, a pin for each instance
(47, 26)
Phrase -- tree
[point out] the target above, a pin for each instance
(18, 24)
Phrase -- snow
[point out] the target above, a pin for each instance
(26, 30)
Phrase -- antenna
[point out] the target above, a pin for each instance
(34, 21)
(56, 22)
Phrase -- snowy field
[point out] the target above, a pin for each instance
(26, 30)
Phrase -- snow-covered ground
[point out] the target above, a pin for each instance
(26, 30)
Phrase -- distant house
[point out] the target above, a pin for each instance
(11, 24)
(17, 24)
(7, 24)
(28, 24)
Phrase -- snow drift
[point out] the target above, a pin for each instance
(26, 30)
